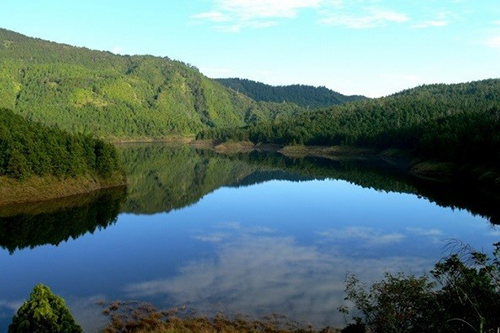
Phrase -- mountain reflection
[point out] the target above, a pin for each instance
(163, 178)
(52, 222)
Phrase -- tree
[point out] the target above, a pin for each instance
(43, 312)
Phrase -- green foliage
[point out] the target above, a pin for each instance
(398, 303)
(302, 95)
(114, 96)
(28, 149)
(43, 312)
(468, 300)
(457, 123)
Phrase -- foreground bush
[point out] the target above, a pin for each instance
(467, 300)
(43, 312)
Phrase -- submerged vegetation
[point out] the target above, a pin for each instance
(135, 317)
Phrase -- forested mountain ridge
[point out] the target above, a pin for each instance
(116, 96)
(457, 123)
(302, 95)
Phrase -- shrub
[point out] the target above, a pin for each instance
(43, 312)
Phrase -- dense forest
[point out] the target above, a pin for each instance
(457, 123)
(302, 95)
(30, 149)
(116, 96)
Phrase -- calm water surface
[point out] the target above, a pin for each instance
(255, 234)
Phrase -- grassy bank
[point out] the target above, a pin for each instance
(35, 189)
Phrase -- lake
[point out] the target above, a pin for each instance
(254, 233)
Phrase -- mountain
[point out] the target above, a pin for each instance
(302, 95)
(457, 123)
(116, 96)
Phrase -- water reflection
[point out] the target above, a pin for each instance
(52, 222)
(258, 272)
(163, 178)
(253, 233)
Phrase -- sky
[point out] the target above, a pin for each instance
(368, 47)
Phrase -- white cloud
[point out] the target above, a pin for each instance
(440, 19)
(256, 14)
(432, 23)
(493, 42)
(212, 16)
(375, 17)
(256, 9)
(240, 14)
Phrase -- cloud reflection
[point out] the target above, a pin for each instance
(369, 235)
(257, 274)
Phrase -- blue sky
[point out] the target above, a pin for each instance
(370, 47)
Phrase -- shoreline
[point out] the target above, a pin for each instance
(40, 189)
(485, 177)
(171, 139)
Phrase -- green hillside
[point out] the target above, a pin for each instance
(30, 149)
(305, 96)
(40, 163)
(457, 123)
(114, 96)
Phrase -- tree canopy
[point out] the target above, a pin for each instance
(302, 95)
(44, 312)
(30, 149)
